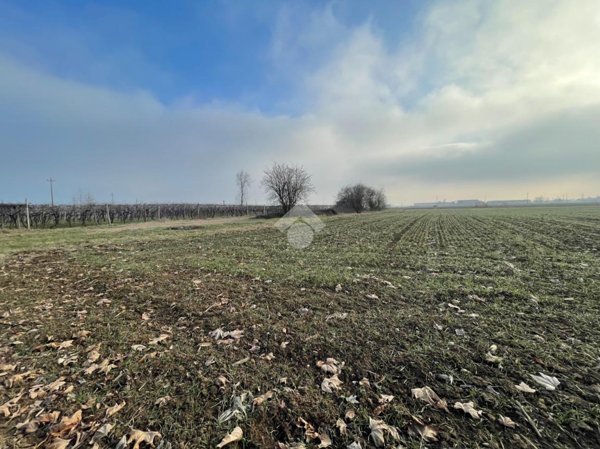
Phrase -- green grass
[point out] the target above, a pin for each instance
(528, 281)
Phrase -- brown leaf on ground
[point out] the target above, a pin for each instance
(157, 340)
(421, 430)
(379, 429)
(161, 402)
(93, 356)
(331, 383)
(330, 365)
(56, 385)
(102, 432)
(325, 440)
(507, 422)
(49, 418)
(105, 366)
(309, 430)
(81, 335)
(138, 437)
(65, 344)
(523, 387)
(469, 408)
(58, 443)
(342, 427)
(67, 424)
(235, 435)
(262, 398)
(110, 411)
(430, 397)
(385, 398)
(5, 408)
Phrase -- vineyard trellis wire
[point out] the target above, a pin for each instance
(14, 215)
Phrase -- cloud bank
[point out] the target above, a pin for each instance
(481, 99)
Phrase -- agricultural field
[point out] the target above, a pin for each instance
(401, 329)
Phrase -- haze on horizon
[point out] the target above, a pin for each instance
(164, 102)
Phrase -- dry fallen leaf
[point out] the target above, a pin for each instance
(157, 340)
(105, 366)
(325, 440)
(430, 397)
(331, 383)
(65, 344)
(138, 437)
(81, 335)
(524, 388)
(350, 415)
(56, 385)
(160, 402)
(548, 382)
(469, 408)
(309, 430)
(67, 424)
(93, 355)
(378, 431)
(330, 365)
(58, 443)
(385, 398)
(91, 369)
(110, 411)
(341, 425)
(5, 408)
(268, 357)
(507, 422)
(102, 432)
(422, 430)
(51, 417)
(235, 435)
(262, 398)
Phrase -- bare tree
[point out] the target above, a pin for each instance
(360, 197)
(243, 180)
(287, 185)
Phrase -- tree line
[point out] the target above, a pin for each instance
(285, 185)
(288, 185)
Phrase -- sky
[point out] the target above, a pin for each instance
(165, 101)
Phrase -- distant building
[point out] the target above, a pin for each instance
(428, 205)
(470, 203)
(508, 203)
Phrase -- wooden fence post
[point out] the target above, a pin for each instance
(27, 213)
(108, 215)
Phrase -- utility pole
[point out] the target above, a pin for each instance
(51, 180)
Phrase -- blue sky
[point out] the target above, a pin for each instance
(214, 51)
(156, 101)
